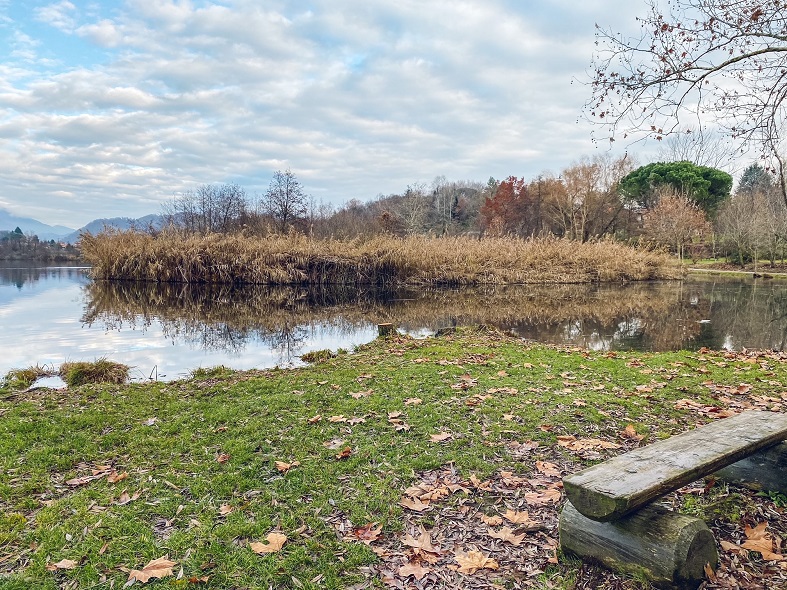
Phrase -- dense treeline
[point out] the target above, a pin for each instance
(688, 209)
(14, 245)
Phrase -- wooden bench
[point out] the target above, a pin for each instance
(609, 516)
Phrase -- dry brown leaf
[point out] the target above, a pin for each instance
(337, 419)
(472, 561)
(275, 543)
(360, 394)
(125, 498)
(63, 564)
(440, 437)
(422, 543)
(631, 433)
(548, 496)
(730, 547)
(757, 539)
(585, 444)
(345, 453)
(519, 517)
(548, 469)
(413, 401)
(414, 504)
(223, 457)
(225, 509)
(158, 568)
(115, 477)
(314, 419)
(507, 534)
(367, 533)
(413, 569)
(492, 520)
(284, 467)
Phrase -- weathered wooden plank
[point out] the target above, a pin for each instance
(622, 484)
(669, 549)
(765, 470)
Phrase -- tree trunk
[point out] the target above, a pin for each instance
(669, 549)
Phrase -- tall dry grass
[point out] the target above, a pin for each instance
(381, 261)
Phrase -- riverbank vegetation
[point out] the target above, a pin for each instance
(382, 261)
(14, 245)
(436, 460)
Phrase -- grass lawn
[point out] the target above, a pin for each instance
(404, 464)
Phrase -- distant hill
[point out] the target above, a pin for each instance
(9, 222)
(121, 223)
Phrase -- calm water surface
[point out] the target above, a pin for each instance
(56, 314)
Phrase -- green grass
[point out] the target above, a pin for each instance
(190, 447)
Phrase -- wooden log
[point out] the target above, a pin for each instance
(669, 549)
(386, 329)
(616, 487)
(765, 470)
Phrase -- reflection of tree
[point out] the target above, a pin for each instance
(20, 276)
(641, 316)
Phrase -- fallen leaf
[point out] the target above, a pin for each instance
(225, 509)
(413, 569)
(630, 433)
(275, 543)
(158, 568)
(472, 561)
(711, 575)
(413, 401)
(150, 421)
(360, 394)
(548, 496)
(423, 543)
(368, 533)
(314, 419)
(519, 517)
(440, 437)
(115, 477)
(492, 520)
(336, 419)
(414, 504)
(285, 467)
(507, 534)
(345, 453)
(759, 540)
(63, 564)
(223, 457)
(125, 498)
(548, 469)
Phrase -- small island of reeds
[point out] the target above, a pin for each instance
(383, 261)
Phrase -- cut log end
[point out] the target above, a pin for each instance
(669, 549)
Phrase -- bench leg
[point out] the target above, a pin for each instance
(765, 470)
(669, 549)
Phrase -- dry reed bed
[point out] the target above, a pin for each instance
(381, 261)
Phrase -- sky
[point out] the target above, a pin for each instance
(112, 107)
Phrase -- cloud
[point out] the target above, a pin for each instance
(358, 98)
(58, 15)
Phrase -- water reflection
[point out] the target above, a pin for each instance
(643, 316)
(50, 315)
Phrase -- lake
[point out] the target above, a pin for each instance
(49, 315)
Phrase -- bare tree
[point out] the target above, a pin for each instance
(718, 60)
(675, 221)
(285, 200)
(208, 209)
(698, 146)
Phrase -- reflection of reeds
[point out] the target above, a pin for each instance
(381, 261)
(224, 315)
